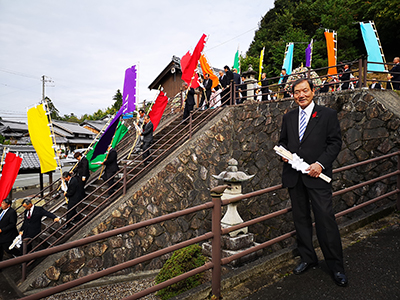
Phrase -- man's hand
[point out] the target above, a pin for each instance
(56, 219)
(285, 159)
(83, 178)
(21, 232)
(314, 170)
(65, 193)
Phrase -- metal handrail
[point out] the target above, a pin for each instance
(215, 205)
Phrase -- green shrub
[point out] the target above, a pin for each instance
(181, 261)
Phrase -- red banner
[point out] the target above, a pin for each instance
(191, 65)
(9, 174)
(158, 109)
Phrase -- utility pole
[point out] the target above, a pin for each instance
(44, 80)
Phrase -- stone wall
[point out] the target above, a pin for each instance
(247, 133)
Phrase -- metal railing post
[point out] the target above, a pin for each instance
(190, 125)
(360, 75)
(24, 251)
(398, 182)
(124, 179)
(233, 93)
(365, 72)
(216, 194)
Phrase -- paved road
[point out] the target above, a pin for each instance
(372, 266)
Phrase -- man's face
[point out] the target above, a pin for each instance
(146, 120)
(206, 76)
(4, 205)
(303, 95)
(263, 76)
(27, 206)
(67, 178)
(221, 73)
(396, 60)
(141, 114)
(283, 72)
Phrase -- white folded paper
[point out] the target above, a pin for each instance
(16, 243)
(297, 162)
(64, 187)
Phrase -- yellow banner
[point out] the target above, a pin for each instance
(261, 64)
(39, 132)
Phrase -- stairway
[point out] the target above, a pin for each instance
(166, 140)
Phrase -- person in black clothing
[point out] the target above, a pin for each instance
(33, 220)
(228, 78)
(237, 81)
(284, 80)
(375, 84)
(394, 75)
(345, 77)
(111, 163)
(242, 88)
(147, 138)
(74, 196)
(8, 229)
(82, 172)
(325, 86)
(189, 102)
(206, 95)
(264, 87)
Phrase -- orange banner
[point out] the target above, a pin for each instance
(205, 67)
(330, 44)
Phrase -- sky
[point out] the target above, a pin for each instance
(83, 47)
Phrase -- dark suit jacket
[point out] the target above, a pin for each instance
(8, 226)
(74, 194)
(148, 133)
(111, 164)
(82, 169)
(395, 69)
(207, 86)
(223, 81)
(229, 76)
(321, 142)
(377, 86)
(236, 78)
(345, 77)
(32, 227)
(190, 97)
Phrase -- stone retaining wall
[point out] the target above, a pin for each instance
(247, 133)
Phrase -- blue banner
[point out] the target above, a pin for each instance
(372, 46)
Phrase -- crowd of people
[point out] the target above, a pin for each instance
(263, 91)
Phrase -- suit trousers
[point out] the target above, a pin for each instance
(4, 247)
(325, 223)
(146, 152)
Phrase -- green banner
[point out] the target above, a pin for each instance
(119, 134)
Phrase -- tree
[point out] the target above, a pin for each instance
(118, 101)
(54, 113)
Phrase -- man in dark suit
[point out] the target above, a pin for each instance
(238, 81)
(147, 138)
(111, 163)
(228, 79)
(313, 133)
(207, 85)
(82, 171)
(284, 80)
(264, 87)
(345, 77)
(8, 229)
(375, 84)
(189, 101)
(394, 75)
(73, 195)
(32, 224)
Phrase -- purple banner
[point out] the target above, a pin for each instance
(308, 55)
(129, 93)
(107, 136)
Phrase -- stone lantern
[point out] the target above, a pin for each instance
(250, 80)
(233, 178)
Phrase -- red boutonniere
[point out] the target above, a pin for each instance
(314, 115)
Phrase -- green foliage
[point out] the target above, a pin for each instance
(118, 101)
(301, 21)
(2, 139)
(181, 261)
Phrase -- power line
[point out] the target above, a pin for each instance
(19, 74)
(231, 39)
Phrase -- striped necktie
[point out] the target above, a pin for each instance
(2, 214)
(303, 125)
